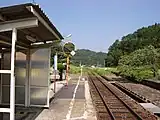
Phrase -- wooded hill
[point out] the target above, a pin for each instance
(139, 39)
(88, 58)
(137, 55)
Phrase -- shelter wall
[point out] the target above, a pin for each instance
(39, 83)
(31, 88)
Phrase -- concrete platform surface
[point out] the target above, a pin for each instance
(72, 102)
(151, 107)
(23, 113)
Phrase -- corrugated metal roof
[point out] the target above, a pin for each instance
(20, 11)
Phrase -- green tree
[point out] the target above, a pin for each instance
(146, 58)
(141, 38)
(61, 67)
(114, 54)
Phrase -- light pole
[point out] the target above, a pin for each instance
(67, 70)
(68, 49)
(67, 61)
(72, 53)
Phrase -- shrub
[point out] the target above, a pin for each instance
(140, 64)
(135, 73)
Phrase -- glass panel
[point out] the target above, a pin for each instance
(20, 77)
(39, 96)
(40, 67)
(20, 95)
(6, 66)
(5, 94)
(40, 64)
(20, 68)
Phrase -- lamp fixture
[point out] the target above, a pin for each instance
(30, 38)
(68, 36)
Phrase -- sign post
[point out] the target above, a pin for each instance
(68, 50)
(67, 70)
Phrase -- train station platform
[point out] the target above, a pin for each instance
(30, 113)
(151, 107)
(72, 102)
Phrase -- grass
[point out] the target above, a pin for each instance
(100, 71)
(75, 69)
(104, 71)
(138, 75)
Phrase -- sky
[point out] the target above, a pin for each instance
(96, 24)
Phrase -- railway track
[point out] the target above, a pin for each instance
(132, 94)
(112, 104)
(139, 92)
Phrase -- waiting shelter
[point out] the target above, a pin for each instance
(26, 37)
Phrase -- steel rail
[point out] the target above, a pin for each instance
(101, 96)
(128, 107)
(131, 94)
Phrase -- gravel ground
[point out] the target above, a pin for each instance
(149, 93)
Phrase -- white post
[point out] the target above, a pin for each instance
(55, 62)
(12, 81)
(81, 71)
(55, 70)
(81, 68)
(1, 78)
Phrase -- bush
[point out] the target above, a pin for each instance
(140, 64)
(135, 73)
(61, 67)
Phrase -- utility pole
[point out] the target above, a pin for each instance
(67, 70)
(68, 49)
(72, 53)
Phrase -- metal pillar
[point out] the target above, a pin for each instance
(1, 113)
(1, 78)
(12, 81)
(67, 70)
(55, 71)
(27, 82)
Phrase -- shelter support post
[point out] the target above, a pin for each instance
(55, 71)
(12, 81)
(1, 78)
(11, 110)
